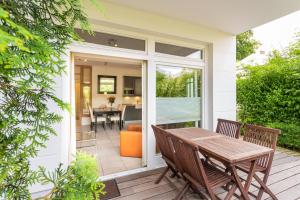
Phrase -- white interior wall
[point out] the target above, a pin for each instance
(119, 72)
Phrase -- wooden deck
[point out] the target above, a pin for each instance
(284, 181)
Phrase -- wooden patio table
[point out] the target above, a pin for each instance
(229, 151)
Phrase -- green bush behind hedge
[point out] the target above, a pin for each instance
(269, 94)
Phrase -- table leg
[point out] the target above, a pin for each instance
(120, 121)
(264, 187)
(96, 116)
(239, 183)
(250, 175)
(231, 192)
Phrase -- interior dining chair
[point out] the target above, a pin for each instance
(122, 116)
(162, 141)
(266, 137)
(100, 119)
(199, 175)
(229, 128)
(116, 117)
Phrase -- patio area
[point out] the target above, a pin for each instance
(284, 181)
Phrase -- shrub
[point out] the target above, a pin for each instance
(269, 94)
(78, 181)
(34, 36)
(290, 134)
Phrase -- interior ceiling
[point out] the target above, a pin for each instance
(232, 16)
(88, 59)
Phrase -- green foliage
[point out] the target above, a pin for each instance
(78, 181)
(270, 94)
(33, 37)
(245, 45)
(290, 134)
(170, 86)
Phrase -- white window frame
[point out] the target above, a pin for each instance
(150, 60)
(157, 161)
(202, 68)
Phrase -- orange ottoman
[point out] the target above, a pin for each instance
(131, 144)
(134, 127)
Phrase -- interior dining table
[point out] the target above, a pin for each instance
(227, 150)
(107, 111)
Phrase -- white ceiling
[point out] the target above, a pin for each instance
(232, 16)
(89, 59)
(110, 59)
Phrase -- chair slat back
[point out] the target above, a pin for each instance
(262, 136)
(90, 111)
(162, 140)
(188, 159)
(229, 128)
(123, 112)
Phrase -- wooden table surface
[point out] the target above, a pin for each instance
(105, 110)
(192, 133)
(221, 147)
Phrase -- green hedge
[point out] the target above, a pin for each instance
(290, 135)
(269, 95)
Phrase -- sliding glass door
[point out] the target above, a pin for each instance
(178, 96)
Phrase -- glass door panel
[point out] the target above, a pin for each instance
(178, 96)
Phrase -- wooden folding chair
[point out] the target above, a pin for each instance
(229, 128)
(265, 137)
(161, 137)
(199, 176)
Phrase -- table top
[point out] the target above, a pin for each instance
(193, 133)
(221, 147)
(103, 110)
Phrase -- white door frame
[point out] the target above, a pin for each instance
(144, 113)
(99, 50)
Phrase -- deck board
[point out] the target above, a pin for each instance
(284, 181)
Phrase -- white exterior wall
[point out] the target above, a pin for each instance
(223, 79)
(57, 150)
(220, 93)
(221, 50)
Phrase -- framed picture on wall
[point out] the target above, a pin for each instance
(107, 84)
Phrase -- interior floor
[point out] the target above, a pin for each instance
(105, 146)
